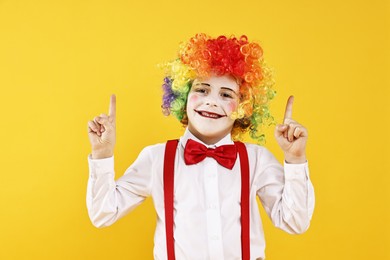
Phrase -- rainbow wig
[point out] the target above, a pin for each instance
(203, 55)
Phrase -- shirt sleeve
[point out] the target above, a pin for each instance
(109, 200)
(286, 193)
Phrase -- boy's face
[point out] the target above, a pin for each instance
(210, 103)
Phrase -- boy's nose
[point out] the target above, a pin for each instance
(211, 101)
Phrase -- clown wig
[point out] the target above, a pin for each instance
(203, 55)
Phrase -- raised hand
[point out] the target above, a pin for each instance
(101, 132)
(291, 136)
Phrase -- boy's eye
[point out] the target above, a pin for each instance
(226, 95)
(200, 90)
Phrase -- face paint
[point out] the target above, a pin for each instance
(211, 101)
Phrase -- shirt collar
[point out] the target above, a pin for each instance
(188, 135)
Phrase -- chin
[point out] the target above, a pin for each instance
(209, 133)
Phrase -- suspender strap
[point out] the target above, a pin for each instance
(245, 234)
(169, 165)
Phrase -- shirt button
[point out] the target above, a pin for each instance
(214, 237)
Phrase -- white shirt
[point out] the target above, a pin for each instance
(206, 199)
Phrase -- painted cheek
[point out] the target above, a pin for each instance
(232, 106)
(193, 99)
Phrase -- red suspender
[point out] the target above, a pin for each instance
(245, 235)
(169, 166)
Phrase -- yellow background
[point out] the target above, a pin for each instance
(61, 60)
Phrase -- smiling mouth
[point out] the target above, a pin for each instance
(209, 114)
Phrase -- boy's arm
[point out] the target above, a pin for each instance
(109, 200)
(286, 193)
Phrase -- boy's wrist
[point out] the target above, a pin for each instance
(101, 154)
(295, 159)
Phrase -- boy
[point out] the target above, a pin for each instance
(204, 186)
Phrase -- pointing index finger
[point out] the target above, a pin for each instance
(288, 112)
(112, 108)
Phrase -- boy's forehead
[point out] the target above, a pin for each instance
(226, 81)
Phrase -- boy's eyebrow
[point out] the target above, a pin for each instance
(202, 83)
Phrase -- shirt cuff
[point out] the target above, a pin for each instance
(100, 166)
(299, 171)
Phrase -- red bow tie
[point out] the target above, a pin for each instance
(195, 152)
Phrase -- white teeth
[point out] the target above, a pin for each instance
(209, 115)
